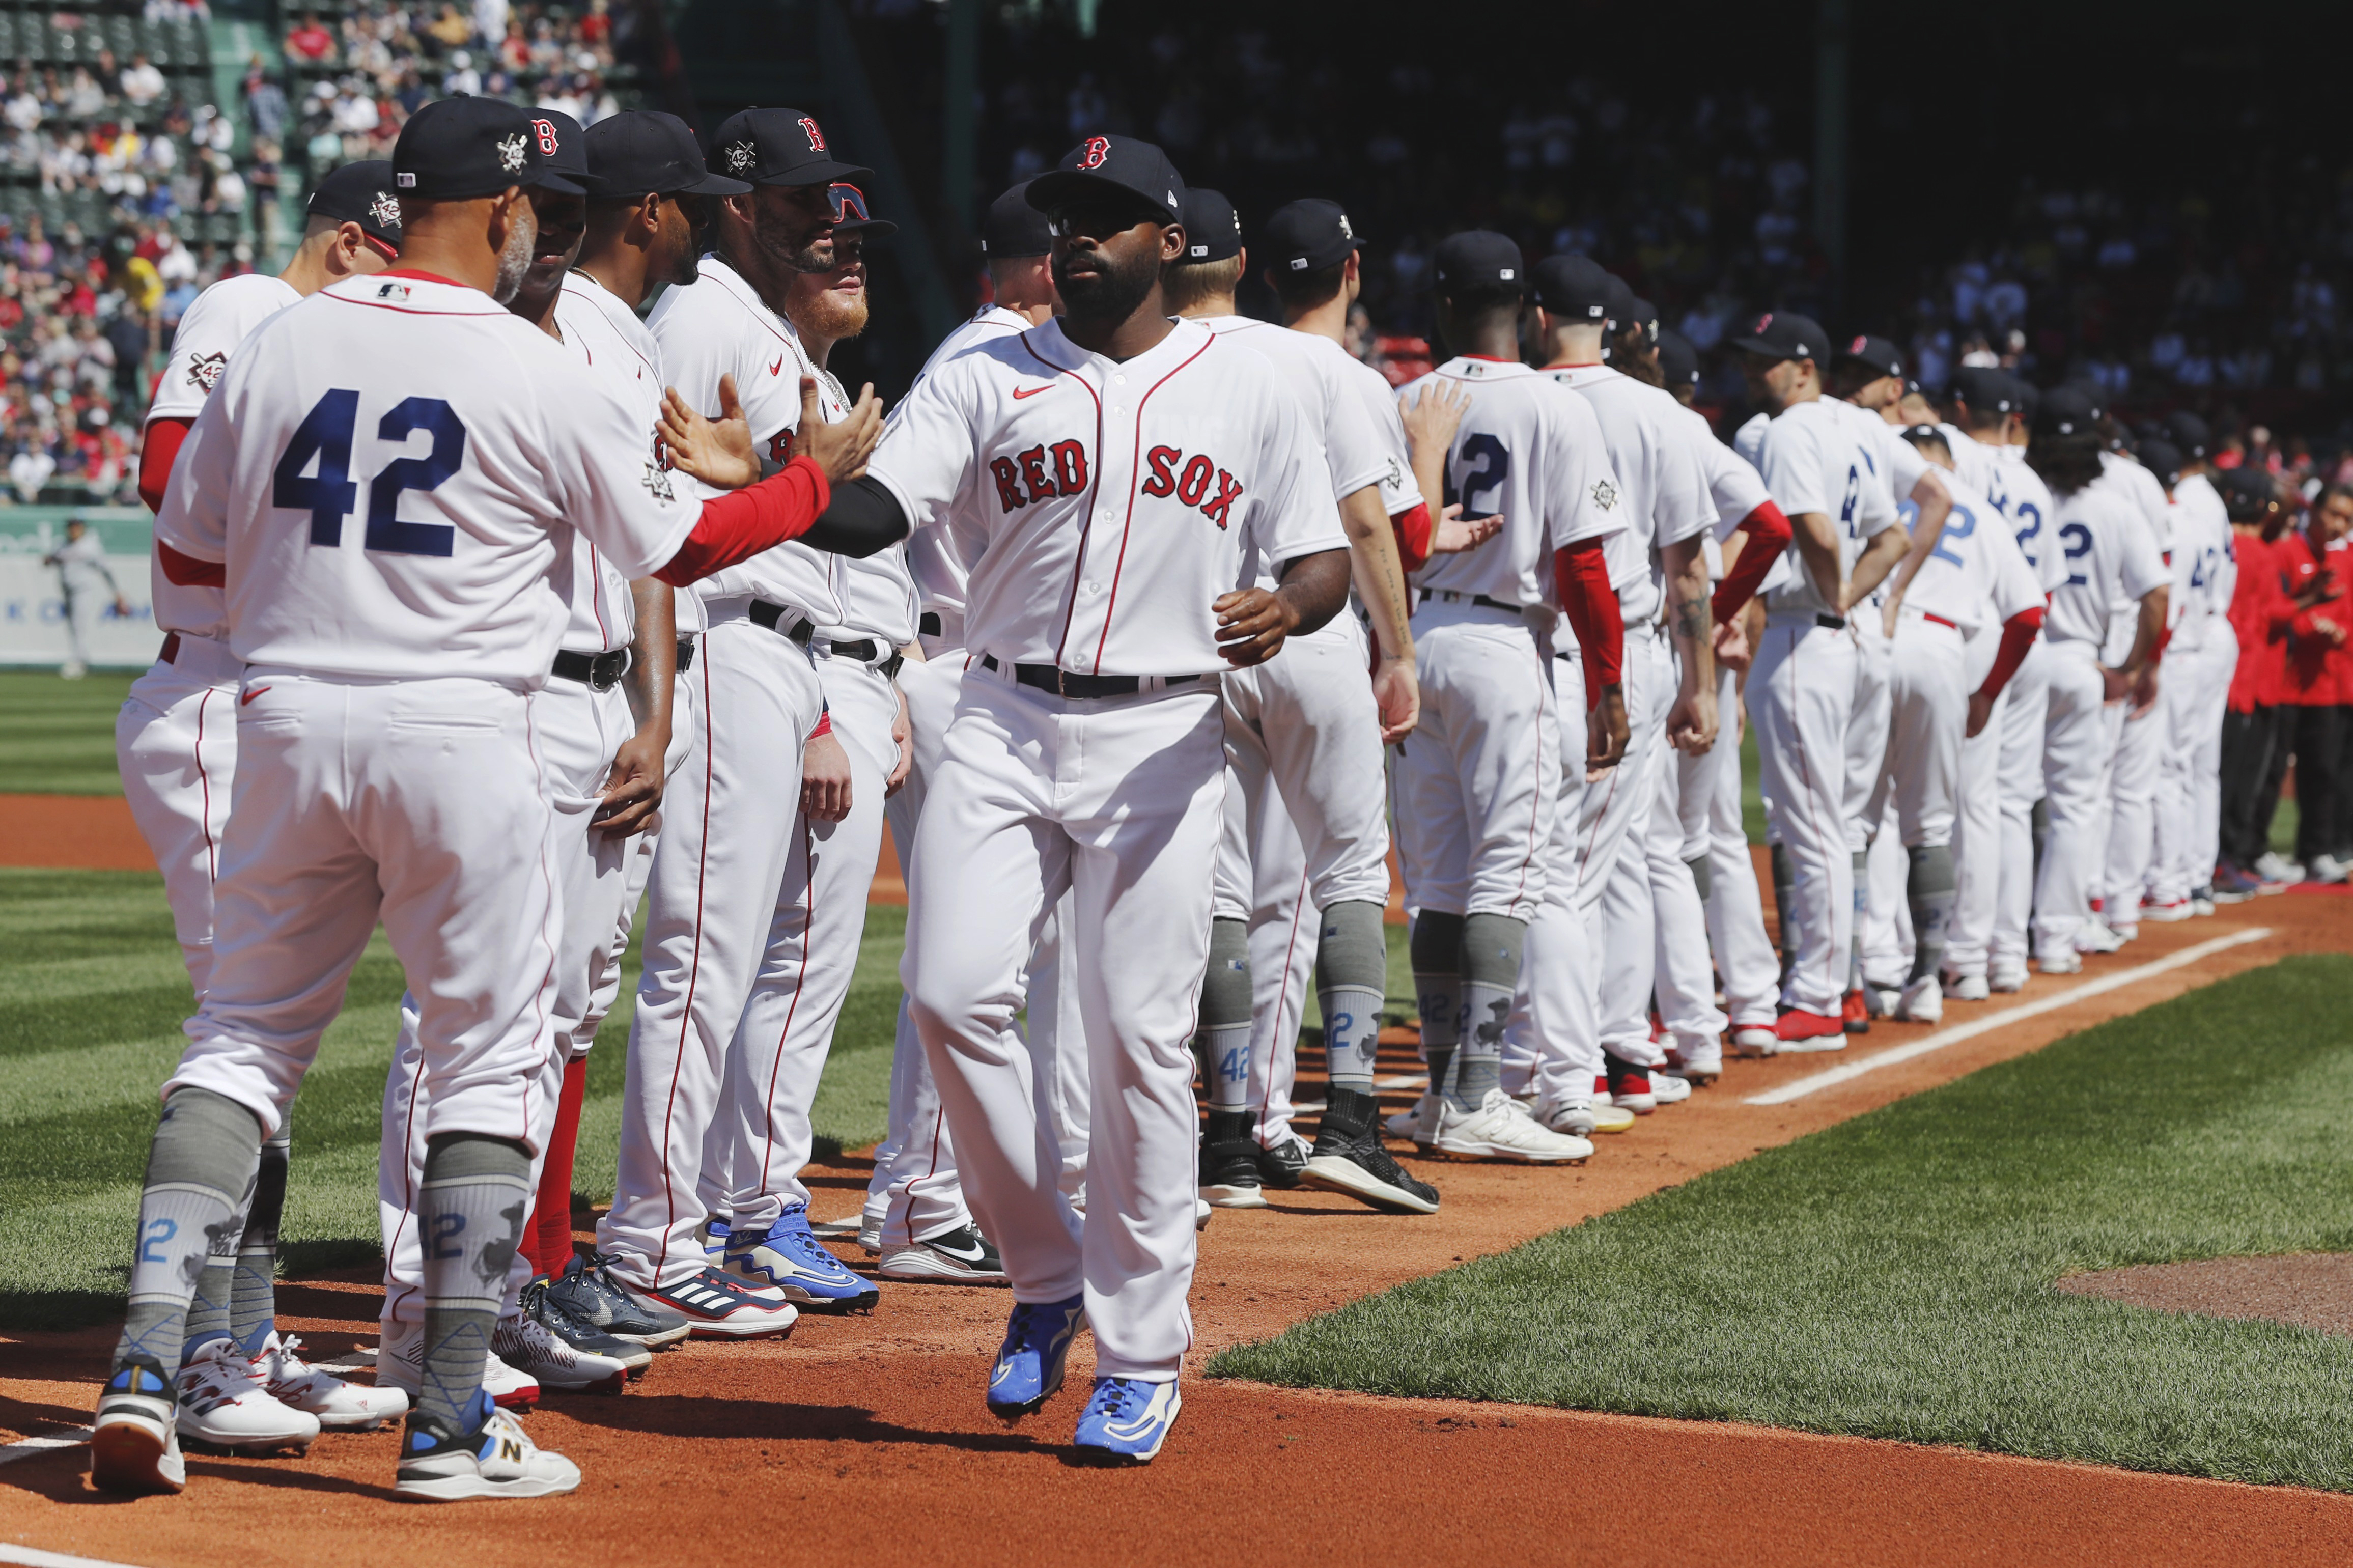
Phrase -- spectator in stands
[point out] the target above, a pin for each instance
(309, 42)
(265, 103)
(142, 84)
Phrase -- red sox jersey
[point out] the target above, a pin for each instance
(2204, 577)
(2110, 557)
(1112, 503)
(1976, 577)
(939, 559)
(1734, 487)
(222, 316)
(1399, 493)
(1812, 458)
(1665, 498)
(2148, 496)
(1532, 450)
(391, 472)
(2018, 493)
(614, 347)
(719, 326)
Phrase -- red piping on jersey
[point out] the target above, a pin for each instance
(1128, 526)
(1095, 488)
(1492, 359)
(403, 309)
(793, 1007)
(204, 781)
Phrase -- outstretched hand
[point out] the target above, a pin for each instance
(718, 451)
(1453, 534)
(840, 450)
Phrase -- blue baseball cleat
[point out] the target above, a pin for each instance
(714, 1243)
(787, 1256)
(1127, 1420)
(1029, 1363)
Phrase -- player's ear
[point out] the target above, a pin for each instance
(351, 241)
(1172, 243)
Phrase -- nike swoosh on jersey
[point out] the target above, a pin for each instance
(251, 695)
(778, 368)
(1032, 391)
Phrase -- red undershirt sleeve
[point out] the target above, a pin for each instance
(157, 448)
(187, 571)
(1581, 576)
(1768, 532)
(2016, 637)
(742, 523)
(1413, 530)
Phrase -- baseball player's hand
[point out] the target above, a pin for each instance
(122, 609)
(2144, 691)
(1605, 733)
(719, 451)
(1396, 689)
(903, 733)
(1432, 418)
(1692, 722)
(825, 780)
(1981, 710)
(1251, 625)
(2114, 684)
(1732, 651)
(633, 788)
(840, 450)
(1454, 534)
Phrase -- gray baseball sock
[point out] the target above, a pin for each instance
(1221, 1035)
(1490, 973)
(198, 1170)
(253, 1300)
(1703, 877)
(1929, 889)
(1861, 917)
(1436, 949)
(1352, 966)
(471, 1209)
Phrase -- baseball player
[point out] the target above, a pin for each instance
(723, 921)
(175, 749)
(1749, 546)
(2110, 557)
(2199, 662)
(1477, 788)
(387, 765)
(1304, 805)
(1973, 579)
(1120, 474)
(1821, 472)
(88, 587)
(2126, 797)
(1668, 512)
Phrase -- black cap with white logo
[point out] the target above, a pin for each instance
(1644, 315)
(2163, 459)
(462, 149)
(1678, 361)
(363, 193)
(1987, 389)
(1014, 228)
(1116, 166)
(1784, 334)
(778, 147)
(2066, 410)
(1307, 236)
(648, 152)
(1479, 259)
(1876, 352)
(2189, 433)
(1212, 232)
(1575, 289)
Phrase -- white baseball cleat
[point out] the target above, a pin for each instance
(223, 1405)
(400, 1364)
(1968, 988)
(2095, 935)
(524, 1343)
(496, 1460)
(1922, 1002)
(1668, 1088)
(2009, 975)
(1503, 1129)
(1418, 1123)
(340, 1406)
(2061, 963)
(134, 1443)
(1755, 1040)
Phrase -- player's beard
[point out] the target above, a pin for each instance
(835, 315)
(802, 249)
(515, 260)
(1108, 291)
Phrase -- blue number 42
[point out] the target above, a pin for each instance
(329, 493)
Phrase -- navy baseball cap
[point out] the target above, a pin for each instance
(1573, 287)
(2028, 395)
(1480, 258)
(2163, 459)
(1877, 352)
(2066, 410)
(1118, 166)
(1645, 315)
(1620, 303)
(1212, 231)
(1986, 390)
(1307, 236)
(461, 149)
(1678, 361)
(1784, 334)
(648, 152)
(2247, 493)
(1014, 228)
(570, 159)
(362, 193)
(2187, 432)
(779, 147)
(850, 215)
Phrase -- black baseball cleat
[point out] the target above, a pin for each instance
(1279, 1164)
(1229, 1178)
(958, 1257)
(1348, 1158)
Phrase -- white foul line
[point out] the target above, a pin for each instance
(26, 1447)
(1813, 1083)
(34, 1557)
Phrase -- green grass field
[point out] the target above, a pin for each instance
(56, 737)
(1892, 1276)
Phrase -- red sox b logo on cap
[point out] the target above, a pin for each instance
(817, 137)
(1856, 347)
(546, 130)
(1098, 151)
(1763, 321)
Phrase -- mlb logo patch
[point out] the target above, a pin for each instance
(393, 294)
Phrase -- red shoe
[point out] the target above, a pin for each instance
(1855, 1016)
(1799, 1030)
(1629, 1086)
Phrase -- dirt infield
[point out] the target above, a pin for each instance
(2310, 1289)
(871, 1430)
(72, 832)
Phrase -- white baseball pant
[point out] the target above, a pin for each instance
(176, 747)
(2195, 693)
(1977, 822)
(1887, 914)
(1119, 800)
(1868, 723)
(1627, 914)
(1679, 836)
(1744, 959)
(637, 870)
(1801, 694)
(728, 834)
(2075, 749)
(2141, 744)
(2025, 726)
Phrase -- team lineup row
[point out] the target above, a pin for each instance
(1075, 624)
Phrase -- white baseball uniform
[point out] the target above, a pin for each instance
(719, 885)
(2129, 797)
(1114, 501)
(175, 740)
(2020, 494)
(2196, 690)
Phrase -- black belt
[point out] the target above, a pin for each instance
(1830, 622)
(596, 672)
(685, 655)
(1062, 683)
(772, 617)
(1481, 600)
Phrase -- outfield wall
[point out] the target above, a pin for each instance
(33, 606)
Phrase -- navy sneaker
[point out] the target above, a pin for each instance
(714, 1242)
(788, 1257)
(720, 1306)
(1029, 1363)
(134, 1444)
(1127, 1420)
(589, 1294)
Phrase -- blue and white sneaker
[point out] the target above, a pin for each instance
(720, 1306)
(788, 1257)
(1029, 1363)
(134, 1444)
(1127, 1420)
(714, 1242)
(492, 1458)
